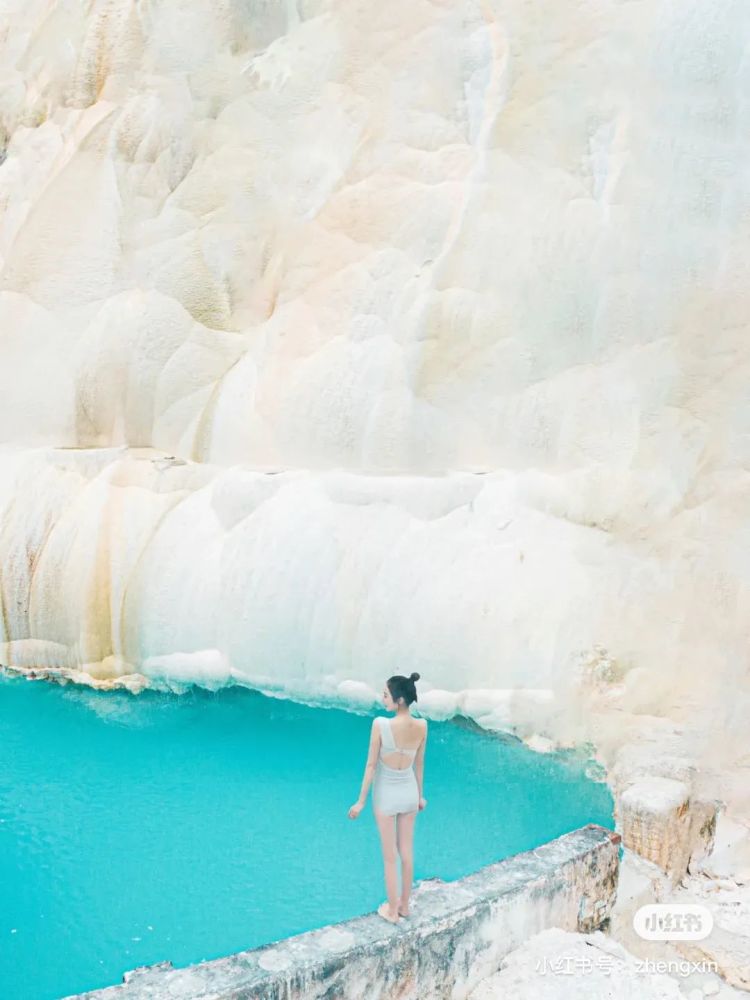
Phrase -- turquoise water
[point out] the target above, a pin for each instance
(135, 828)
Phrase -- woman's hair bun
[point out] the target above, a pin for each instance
(414, 677)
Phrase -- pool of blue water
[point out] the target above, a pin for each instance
(138, 828)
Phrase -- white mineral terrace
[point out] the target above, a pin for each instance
(338, 337)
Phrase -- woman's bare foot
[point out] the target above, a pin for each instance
(403, 910)
(385, 912)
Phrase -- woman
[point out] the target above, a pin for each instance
(396, 763)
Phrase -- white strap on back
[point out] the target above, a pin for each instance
(386, 736)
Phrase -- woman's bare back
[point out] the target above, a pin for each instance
(408, 734)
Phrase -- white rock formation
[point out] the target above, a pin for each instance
(339, 338)
(717, 960)
(728, 944)
(558, 965)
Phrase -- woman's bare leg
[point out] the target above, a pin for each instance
(387, 829)
(405, 846)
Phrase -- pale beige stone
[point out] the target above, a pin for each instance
(660, 821)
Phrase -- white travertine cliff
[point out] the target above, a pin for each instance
(337, 338)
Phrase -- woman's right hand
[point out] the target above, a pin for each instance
(422, 804)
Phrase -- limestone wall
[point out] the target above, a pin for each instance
(452, 241)
(338, 340)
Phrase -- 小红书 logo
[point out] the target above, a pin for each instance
(673, 922)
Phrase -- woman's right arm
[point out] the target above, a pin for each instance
(372, 760)
(419, 761)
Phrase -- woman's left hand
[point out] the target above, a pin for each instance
(355, 810)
